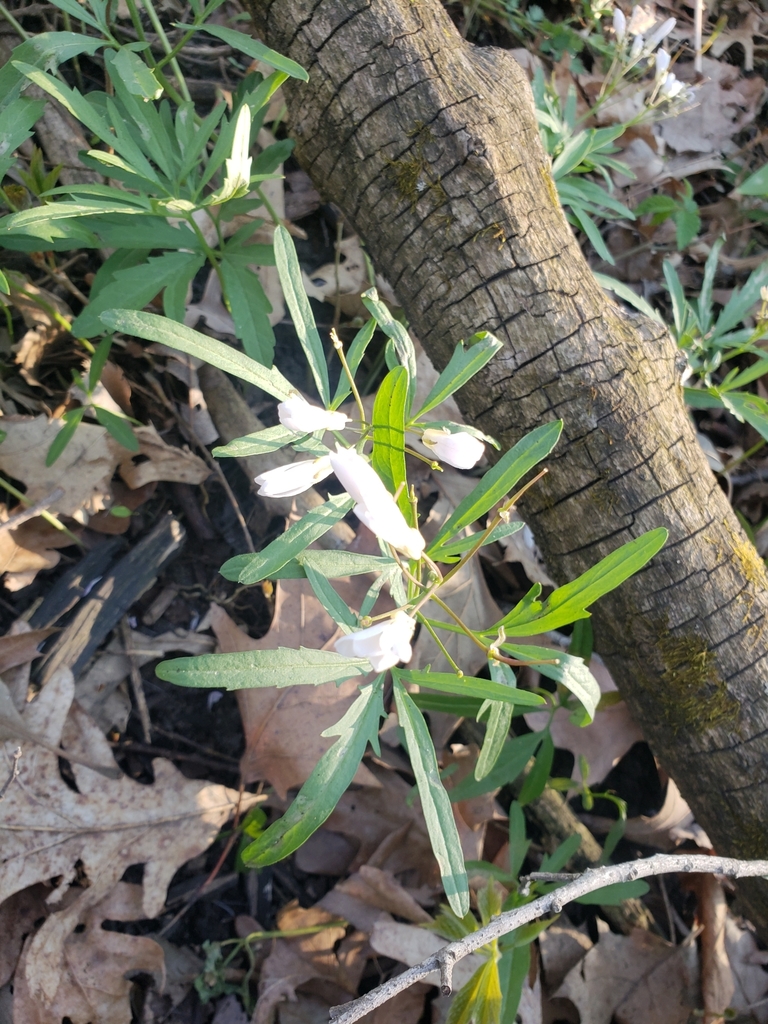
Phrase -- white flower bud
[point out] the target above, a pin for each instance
(285, 481)
(374, 505)
(297, 414)
(638, 44)
(619, 25)
(461, 450)
(659, 33)
(662, 63)
(384, 644)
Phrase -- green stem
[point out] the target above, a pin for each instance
(464, 628)
(13, 23)
(269, 207)
(149, 8)
(47, 516)
(425, 623)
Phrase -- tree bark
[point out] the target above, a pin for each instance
(430, 147)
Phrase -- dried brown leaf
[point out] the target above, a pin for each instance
(157, 460)
(410, 945)
(21, 648)
(381, 889)
(89, 966)
(94, 833)
(27, 549)
(639, 977)
(38, 308)
(83, 470)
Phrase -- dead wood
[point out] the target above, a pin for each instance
(430, 147)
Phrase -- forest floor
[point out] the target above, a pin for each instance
(135, 579)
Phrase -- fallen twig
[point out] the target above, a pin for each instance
(592, 879)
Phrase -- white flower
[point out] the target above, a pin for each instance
(297, 414)
(294, 478)
(619, 24)
(374, 505)
(461, 449)
(672, 87)
(637, 47)
(658, 34)
(384, 644)
(662, 63)
(238, 166)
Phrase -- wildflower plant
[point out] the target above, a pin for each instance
(370, 460)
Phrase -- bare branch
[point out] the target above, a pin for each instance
(444, 959)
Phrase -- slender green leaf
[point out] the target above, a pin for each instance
(41, 221)
(536, 779)
(250, 309)
(519, 844)
(514, 968)
(499, 721)
(261, 443)
(135, 287)
(755, 185)
(5, 288)
(499, 480)
(335, 564)
(296, 538)
(745, 406)
(355, 354)
(98, 362)
(677, 295)
(611, 284)
(435, 803)
(462, 366)
(70, 420)
(569, 603)
(330, 778)
(118, 427)
(338, 610)
(688, 224)
(134, 74)
(480, 1000)
(514, 757)
(742, 300)
(243, 670)
(451, 552)
(462, 707)
(175, 291)
(79, 11)
(158, 328)
(591, 230)
(16, 123)
(401, 340)
(388, 457)
(253, 48)
(296, 298)
(472, 686)
(569, 671)
(558, 859)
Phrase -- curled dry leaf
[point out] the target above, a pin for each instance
(26, 550)
(157, 460)
(94, 833)
(673, 824)
(293, 962)
(282, 726)
(42, 312)
(91, 966)
(381, 889)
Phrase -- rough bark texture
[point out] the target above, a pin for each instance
(430, 147)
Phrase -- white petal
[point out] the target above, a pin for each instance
(285, 481)
(297, 414)
(619, 24)
(461, 449)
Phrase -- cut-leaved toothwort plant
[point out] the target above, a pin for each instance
(368, 453)
(178, 192)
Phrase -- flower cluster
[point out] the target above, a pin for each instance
(388, 642)
(667, 86)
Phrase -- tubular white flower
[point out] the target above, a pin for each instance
(238, 166)
(384, 644)
(659, 33)
(374, 505)
(285, 481)
(619, 25)
(638, 43)
(662, 64)
(461, 449)
(297, 414)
